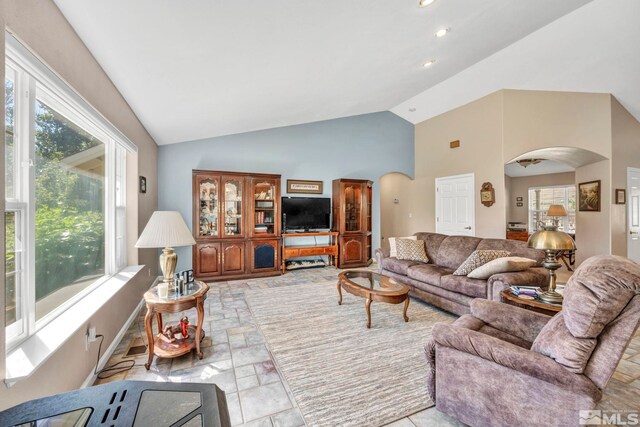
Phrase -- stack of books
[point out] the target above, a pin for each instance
(260, 228)
(531, 291)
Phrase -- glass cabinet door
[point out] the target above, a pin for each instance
(264, 207)
(352, 207)
(208, 194)
(233, 208)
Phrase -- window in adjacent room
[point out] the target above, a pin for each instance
(540, 198)
(64, 190)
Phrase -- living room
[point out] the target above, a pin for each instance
(152, 107)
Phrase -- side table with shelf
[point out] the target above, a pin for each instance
(193, 297)
(293, 251)
(534, 305)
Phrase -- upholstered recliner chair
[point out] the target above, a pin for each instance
(504, 366)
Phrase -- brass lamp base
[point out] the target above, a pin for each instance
(551, 296)
(168, 262)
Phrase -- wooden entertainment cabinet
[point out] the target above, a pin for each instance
(293, 251)
(236, 225)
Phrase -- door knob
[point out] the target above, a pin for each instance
(633, 233)
(468, 228)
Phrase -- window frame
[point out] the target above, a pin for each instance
(34, 80)
(563, 221)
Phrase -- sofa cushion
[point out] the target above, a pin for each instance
(454, 250)
(501, 265)
(392, 244)
(598, 292)
(428, 273)
(411, 250)
(464, 285)
(555, 341)
(516, 247)
(478, 259)
(432, 242)
(397, 265)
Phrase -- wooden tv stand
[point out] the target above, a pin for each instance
(294, 251)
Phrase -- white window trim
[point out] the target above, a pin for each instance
(565, 221)
(34, 78)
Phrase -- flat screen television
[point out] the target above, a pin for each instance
(306, 213)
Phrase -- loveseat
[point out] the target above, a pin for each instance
(434, 282)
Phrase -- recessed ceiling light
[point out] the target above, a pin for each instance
(441, 33)
(425, 3)
(412, 109)
(428, 63)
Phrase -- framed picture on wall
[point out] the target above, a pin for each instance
(589, 196)
(299, 186)
(143, 184)
(621, 196)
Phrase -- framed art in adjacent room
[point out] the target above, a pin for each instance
(589, 196)
(143, 184)
(621, 196)
(304, 187)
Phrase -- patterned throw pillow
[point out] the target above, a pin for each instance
(501, 265)
(411, 250)
(393, 251)
(477, 259)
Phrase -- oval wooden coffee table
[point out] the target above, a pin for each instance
(373, 287)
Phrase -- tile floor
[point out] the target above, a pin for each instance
(237, 360)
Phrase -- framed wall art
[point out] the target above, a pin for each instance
(589, 196)
(621, 196)
(143, 184)
(298, 186)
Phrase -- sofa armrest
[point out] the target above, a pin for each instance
(511, 356)
(516, 321)
(535, 276)
(380, 255)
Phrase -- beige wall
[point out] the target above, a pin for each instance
(520, 188)
(625, 133)
(41, 27)
(539, 119)
(394, 217)
(478, 126)
(593, 229)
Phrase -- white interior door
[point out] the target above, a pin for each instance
(455, 208)
(633, 214)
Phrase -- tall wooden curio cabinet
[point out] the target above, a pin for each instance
(236, 224)
(352, 219)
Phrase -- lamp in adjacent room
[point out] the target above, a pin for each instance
(551, 241)
(166, 229)
(555, 212)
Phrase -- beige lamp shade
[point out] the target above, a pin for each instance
(551, 240)
(165, 229)
(556, 210)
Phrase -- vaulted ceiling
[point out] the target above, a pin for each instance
(199, 69)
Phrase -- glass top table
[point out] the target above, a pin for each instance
(190, 289)
(373, 287)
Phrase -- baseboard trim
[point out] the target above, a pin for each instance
(109, 351)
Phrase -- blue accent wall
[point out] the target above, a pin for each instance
(365, 147)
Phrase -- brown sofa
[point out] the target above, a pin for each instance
(435, 283)
(506, 366)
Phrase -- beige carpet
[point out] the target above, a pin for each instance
(340, 373)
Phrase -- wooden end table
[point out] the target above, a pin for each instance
(193, 297)
(533, 305)
(373, 287)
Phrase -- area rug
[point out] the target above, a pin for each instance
(340, 372)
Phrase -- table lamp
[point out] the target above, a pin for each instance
(551, 241)
(555, 212)
(166, 229)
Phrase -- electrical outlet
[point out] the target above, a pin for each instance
(89, 337)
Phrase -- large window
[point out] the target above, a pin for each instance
(64, 190)
(540, 198)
